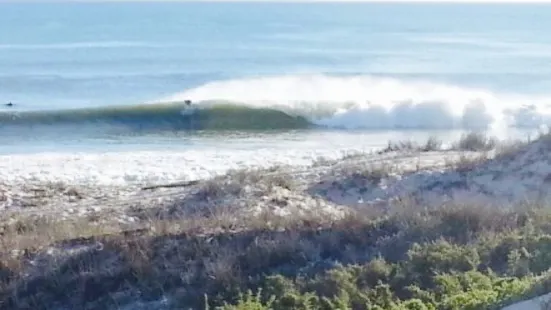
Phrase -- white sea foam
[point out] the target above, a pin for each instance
(161, 160)
(169, 162)
(380, 103)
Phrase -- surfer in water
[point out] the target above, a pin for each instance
(188, 110)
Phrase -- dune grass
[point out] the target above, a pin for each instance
(405, 257)
(410, 258)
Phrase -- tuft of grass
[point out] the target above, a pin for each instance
(431, 145)
(362, 175)
(465, 164)
(475, 142)
(233, 183)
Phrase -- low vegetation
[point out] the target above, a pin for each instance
(404, 257)
(431, 145)
(471, 142)
(475, 141)
(453, 257)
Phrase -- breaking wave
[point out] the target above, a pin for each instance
(168, 116)
(379, 103)
(313, 101)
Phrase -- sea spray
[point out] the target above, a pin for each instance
(370, 102)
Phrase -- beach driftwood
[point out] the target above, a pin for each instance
(171, 185)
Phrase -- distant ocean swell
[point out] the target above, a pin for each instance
(313, 101)
(88, 45)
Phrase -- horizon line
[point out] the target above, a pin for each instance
(288, 1)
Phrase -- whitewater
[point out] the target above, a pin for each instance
(102, 100)
(365, 102)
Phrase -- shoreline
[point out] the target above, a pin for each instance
(56, 197)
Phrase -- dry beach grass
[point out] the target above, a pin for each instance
(359, 233)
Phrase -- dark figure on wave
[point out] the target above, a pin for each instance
(9, 104)
(188, 110)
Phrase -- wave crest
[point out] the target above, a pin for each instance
(173, 116)
(378, 103)
(297, 102)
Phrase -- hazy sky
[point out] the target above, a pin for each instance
(433, 1)
(466, 1)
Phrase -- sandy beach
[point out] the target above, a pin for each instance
(327, 184)
(47, 224)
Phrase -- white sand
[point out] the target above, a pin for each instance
(532, 304)
(523, 175)
(426, 177)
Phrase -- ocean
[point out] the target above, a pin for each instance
(99, 90)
